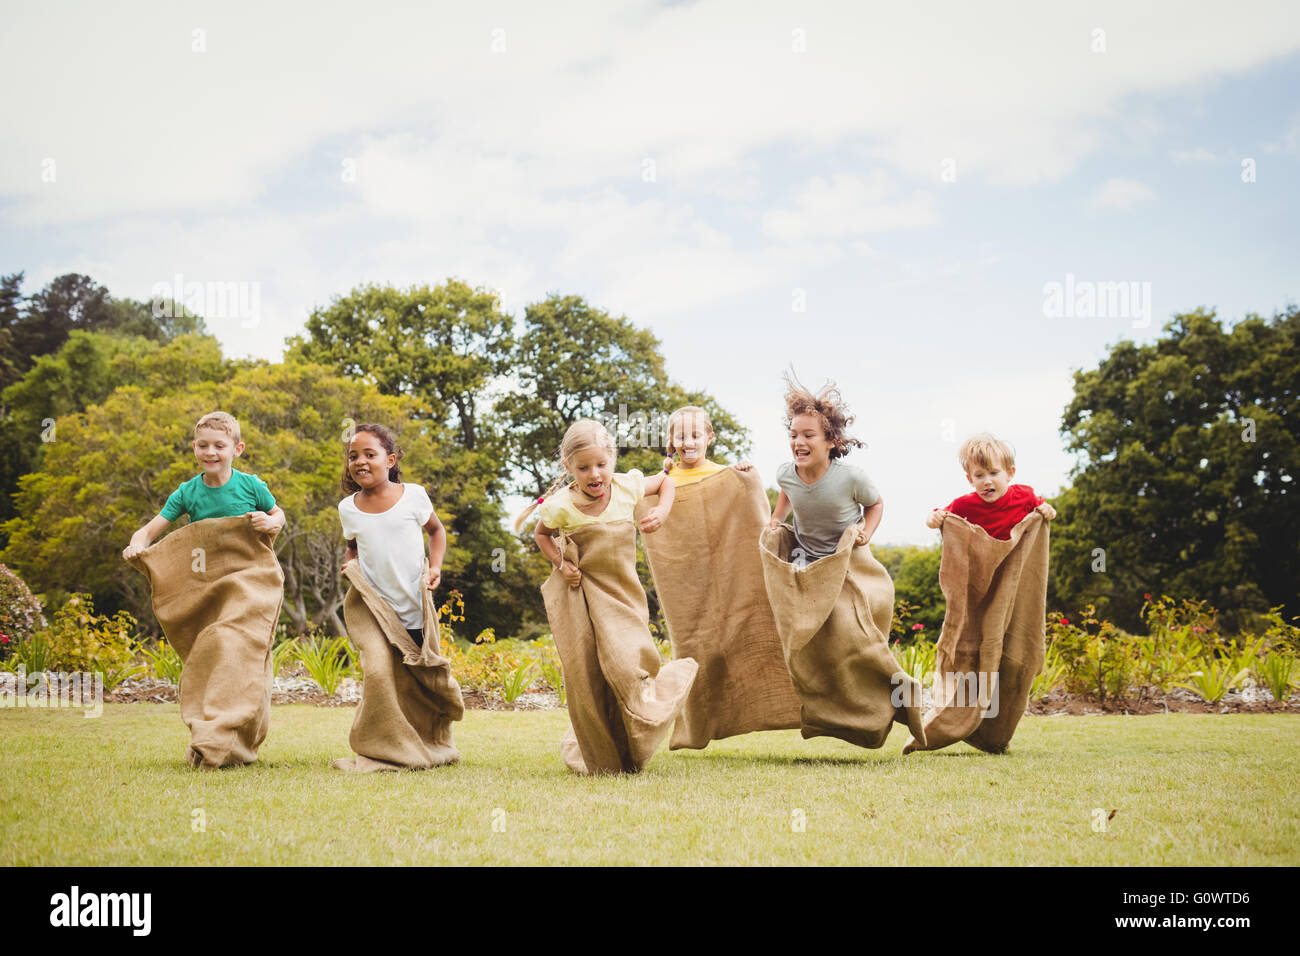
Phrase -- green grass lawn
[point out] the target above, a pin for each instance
(1189, 789)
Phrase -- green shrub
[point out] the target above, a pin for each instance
(1095, 657)
(20, 612)
(282, 653)
(164, 661)
(326, 660)
(1275, 672)
(516, 681)
(916, 659)
(82, 640)
(1213, 678)
(34, 655)
(1046, 680)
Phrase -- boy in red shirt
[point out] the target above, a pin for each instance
(995, 505)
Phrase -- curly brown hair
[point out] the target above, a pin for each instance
(829, 408)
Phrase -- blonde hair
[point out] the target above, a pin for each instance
(680, 414)
(986, 451)
(828, 407)
(583, 434)
(220, 421)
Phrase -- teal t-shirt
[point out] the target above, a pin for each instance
(240, 495)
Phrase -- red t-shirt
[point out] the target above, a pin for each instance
(999, 517)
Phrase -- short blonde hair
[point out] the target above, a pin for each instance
(987, 452)
(220, 421)
(693, 410)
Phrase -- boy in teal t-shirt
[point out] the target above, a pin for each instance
(219, 492)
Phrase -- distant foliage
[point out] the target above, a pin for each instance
(20, 612)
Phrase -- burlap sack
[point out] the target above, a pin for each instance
(992, 643)
(408, 696)
(217, 588)
(622, 702)
(709, 579)
(833, 617)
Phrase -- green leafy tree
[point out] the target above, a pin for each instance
(68, 302)
(1188, 451)
(99, 481)
(915, 571)
(442, 344)
(83, 372)
(575, 361)
(446, 347)
(11, 311)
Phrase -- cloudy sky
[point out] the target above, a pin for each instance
(882, 195)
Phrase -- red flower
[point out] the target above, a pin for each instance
(896, 640)
(1146, 597)
(918, 627)
(1065, 620)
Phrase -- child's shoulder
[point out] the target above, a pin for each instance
(244, 477)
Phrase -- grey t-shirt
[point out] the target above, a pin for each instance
(824, 509)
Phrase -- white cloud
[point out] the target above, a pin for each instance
(583, 92)
(1199, 155)
(848, 205)
(1289, 142)
(1120, 194)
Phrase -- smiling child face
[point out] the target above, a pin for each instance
(368, 460)
(990, 481)
(808, 442)
(594, 470)
(215, 450)
(691, 437)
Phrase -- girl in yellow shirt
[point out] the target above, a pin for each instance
(690, 433)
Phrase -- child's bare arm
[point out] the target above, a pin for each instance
(144, 536)
(871, 520)
(780, 512)
(545, 539)
(663, 486)
(437, 550)
(350, 554)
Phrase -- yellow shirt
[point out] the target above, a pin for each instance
(558, 511)
(688, 476)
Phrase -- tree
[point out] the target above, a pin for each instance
(915, 571)
(443, 345)
(42, 324)
(446, 347)
(1187, 453)
(11, 310)
(83, 372)
(68, 302)
(99, 482)
(574, 361)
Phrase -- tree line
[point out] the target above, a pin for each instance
(1186, 448)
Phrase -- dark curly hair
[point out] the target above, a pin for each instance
(828, 405)
(390, 445)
